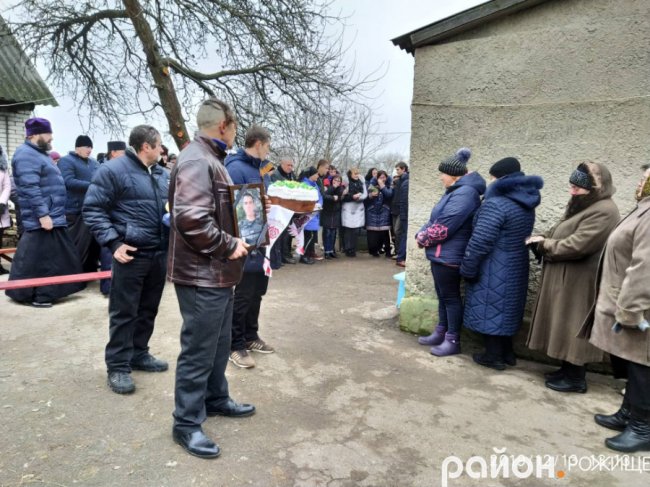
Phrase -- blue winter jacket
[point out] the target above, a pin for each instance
(125, 204)
(378, 209)
(39, 185)
(314, 224)
(245, 169)
(450, 224)
(77, 174)
(496, 258)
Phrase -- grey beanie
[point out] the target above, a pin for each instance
(456, 165)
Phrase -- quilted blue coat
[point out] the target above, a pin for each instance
(40, 187)
(449, 227)
(496, 258)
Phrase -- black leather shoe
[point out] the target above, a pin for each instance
(121, 382)
(617, 421)
(306, 260)
(288, 260)
(197, 444)
(486, 361)
(233, 409)
(149, 363)
(567, 385)
(636, 437)
(555, 374)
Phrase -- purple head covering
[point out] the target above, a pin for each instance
(35, 126)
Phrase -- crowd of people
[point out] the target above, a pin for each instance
(150, 217)
(593, 295)
(377, 204)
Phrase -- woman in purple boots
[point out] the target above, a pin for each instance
(445, 237)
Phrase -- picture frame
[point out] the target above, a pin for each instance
(249, 213)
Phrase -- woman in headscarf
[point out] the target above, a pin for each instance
(571, 250)
(620, 320)
(445, 237)
(496, 262)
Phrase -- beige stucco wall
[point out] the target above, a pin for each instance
(560, 82)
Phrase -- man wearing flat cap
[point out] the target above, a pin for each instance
(77, 169)
(45, 248)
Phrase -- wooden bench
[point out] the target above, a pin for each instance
(49, 281)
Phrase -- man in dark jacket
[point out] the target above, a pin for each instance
(115, 149)
(400, 211)
(45, 249)
(401, 169)
(205, 263)
(77, 169)
(250, 166)
(281, 251)
(124, 207)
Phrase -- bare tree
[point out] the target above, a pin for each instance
(386, 160)
(343, 132)
(119, 58)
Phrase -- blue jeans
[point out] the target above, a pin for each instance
(450, 306)
(329, 239)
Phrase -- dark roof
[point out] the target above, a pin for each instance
(20, 83)
(461, 22)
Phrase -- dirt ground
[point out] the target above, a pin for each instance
(347, 400)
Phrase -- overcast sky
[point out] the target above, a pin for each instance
(371, 24)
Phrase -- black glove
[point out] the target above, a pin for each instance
(3, 207)
(534, 248)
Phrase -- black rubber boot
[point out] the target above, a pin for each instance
(574, 380)
(556, 374)
(636, 436)
(617, 421)
(493, 355)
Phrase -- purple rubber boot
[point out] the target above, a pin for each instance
(436, 338)
(450, 346)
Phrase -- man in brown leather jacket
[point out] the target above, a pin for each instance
(205, 263)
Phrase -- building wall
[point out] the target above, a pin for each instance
(565, 81)
(12, 129)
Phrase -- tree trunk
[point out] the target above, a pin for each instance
(162, 80)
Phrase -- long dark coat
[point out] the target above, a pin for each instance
(496, 257)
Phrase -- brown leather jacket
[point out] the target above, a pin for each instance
(202, 221)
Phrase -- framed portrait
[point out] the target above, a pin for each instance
(250, 217)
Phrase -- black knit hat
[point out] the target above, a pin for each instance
(504, 167)
(116, 145)
(83, 141)
(581, 178)
(456, 165)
